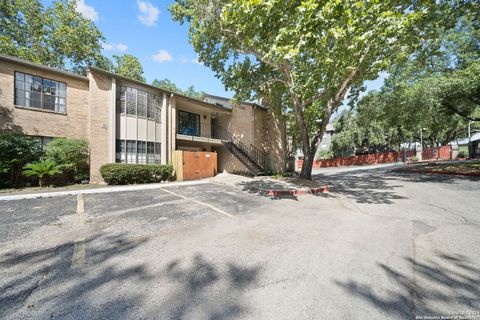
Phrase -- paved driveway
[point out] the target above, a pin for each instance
(378, 246)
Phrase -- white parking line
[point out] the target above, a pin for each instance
(203, 204)
(78, 257)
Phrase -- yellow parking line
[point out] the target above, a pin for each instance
(203, 204)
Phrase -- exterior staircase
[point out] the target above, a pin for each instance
(250, 156)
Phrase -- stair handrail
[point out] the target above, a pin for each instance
(252, 152)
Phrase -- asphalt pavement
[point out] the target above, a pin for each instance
(379, 245)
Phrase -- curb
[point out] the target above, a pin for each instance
(322, 189)
(449, 173)
(271, 192)
(104, 190)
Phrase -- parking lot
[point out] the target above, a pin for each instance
(378, 246)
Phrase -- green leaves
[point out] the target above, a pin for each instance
(307, 47)
(56, 36)
(71, 155)
(128, 66)
(42, 170)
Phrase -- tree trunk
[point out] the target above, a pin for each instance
(307, 166)
(40, 182)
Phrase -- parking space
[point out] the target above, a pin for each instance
(379, 245)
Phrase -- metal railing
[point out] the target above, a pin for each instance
(196, 129)
(255, 154)
(207, 130)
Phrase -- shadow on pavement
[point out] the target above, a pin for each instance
(194, 295)
(380, 185)
(450, 284)
(363, 186)
(51, 269)
(259, 187)
(42, 284)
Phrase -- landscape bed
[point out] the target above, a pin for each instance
(459, 168)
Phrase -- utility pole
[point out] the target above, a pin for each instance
(421, 138)
(469, 140)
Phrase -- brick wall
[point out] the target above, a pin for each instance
(100, 101)
(72, 124)
(444, 153)
(367, 159)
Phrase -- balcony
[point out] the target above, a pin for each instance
(201, 132)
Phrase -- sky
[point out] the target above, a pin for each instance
(145, 29)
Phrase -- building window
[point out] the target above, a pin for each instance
(41, 93)
(141, 104)
(151, 104)
(131, 151)
(150, 152)
(141, 152)
(137, 102)
(131, 101)
(43, 140)
(188, 123)
(157, 153)
(121, 99)
(120, 151)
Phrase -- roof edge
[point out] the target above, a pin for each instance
(141, 83)
(42, 67)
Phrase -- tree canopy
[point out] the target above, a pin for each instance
(433, 96)
(57, 35)
(169, 85)
(128, 66)
(307, 54)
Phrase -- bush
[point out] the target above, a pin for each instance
(123, 173)
(461, 154)
(16, 149)
(414, 159)
(43, 170)
(71, 155)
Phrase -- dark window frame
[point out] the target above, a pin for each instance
(42, 92)
(184, 123)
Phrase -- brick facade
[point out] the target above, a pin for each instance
(91, 115)
(36, 122)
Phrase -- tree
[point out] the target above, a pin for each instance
(71, 155)
(316, 51)
(42, 170)
(57, 36)
(170, 86)
(128, 66)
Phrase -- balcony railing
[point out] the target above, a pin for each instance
(204, 130)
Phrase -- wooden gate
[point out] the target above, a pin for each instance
(192, 165)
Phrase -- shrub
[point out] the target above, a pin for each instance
(16, 149)
(123, 173)
(461, 154)
(414, 159)
(42, 170)
(71, 155)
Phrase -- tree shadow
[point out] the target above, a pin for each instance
(50, 270)
(43, 284)
(363, 185)
(431, 177)
(204, 290)
(260, 187)
(7, 123)
(440, 286)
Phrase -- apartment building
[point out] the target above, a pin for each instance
(133, 122)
